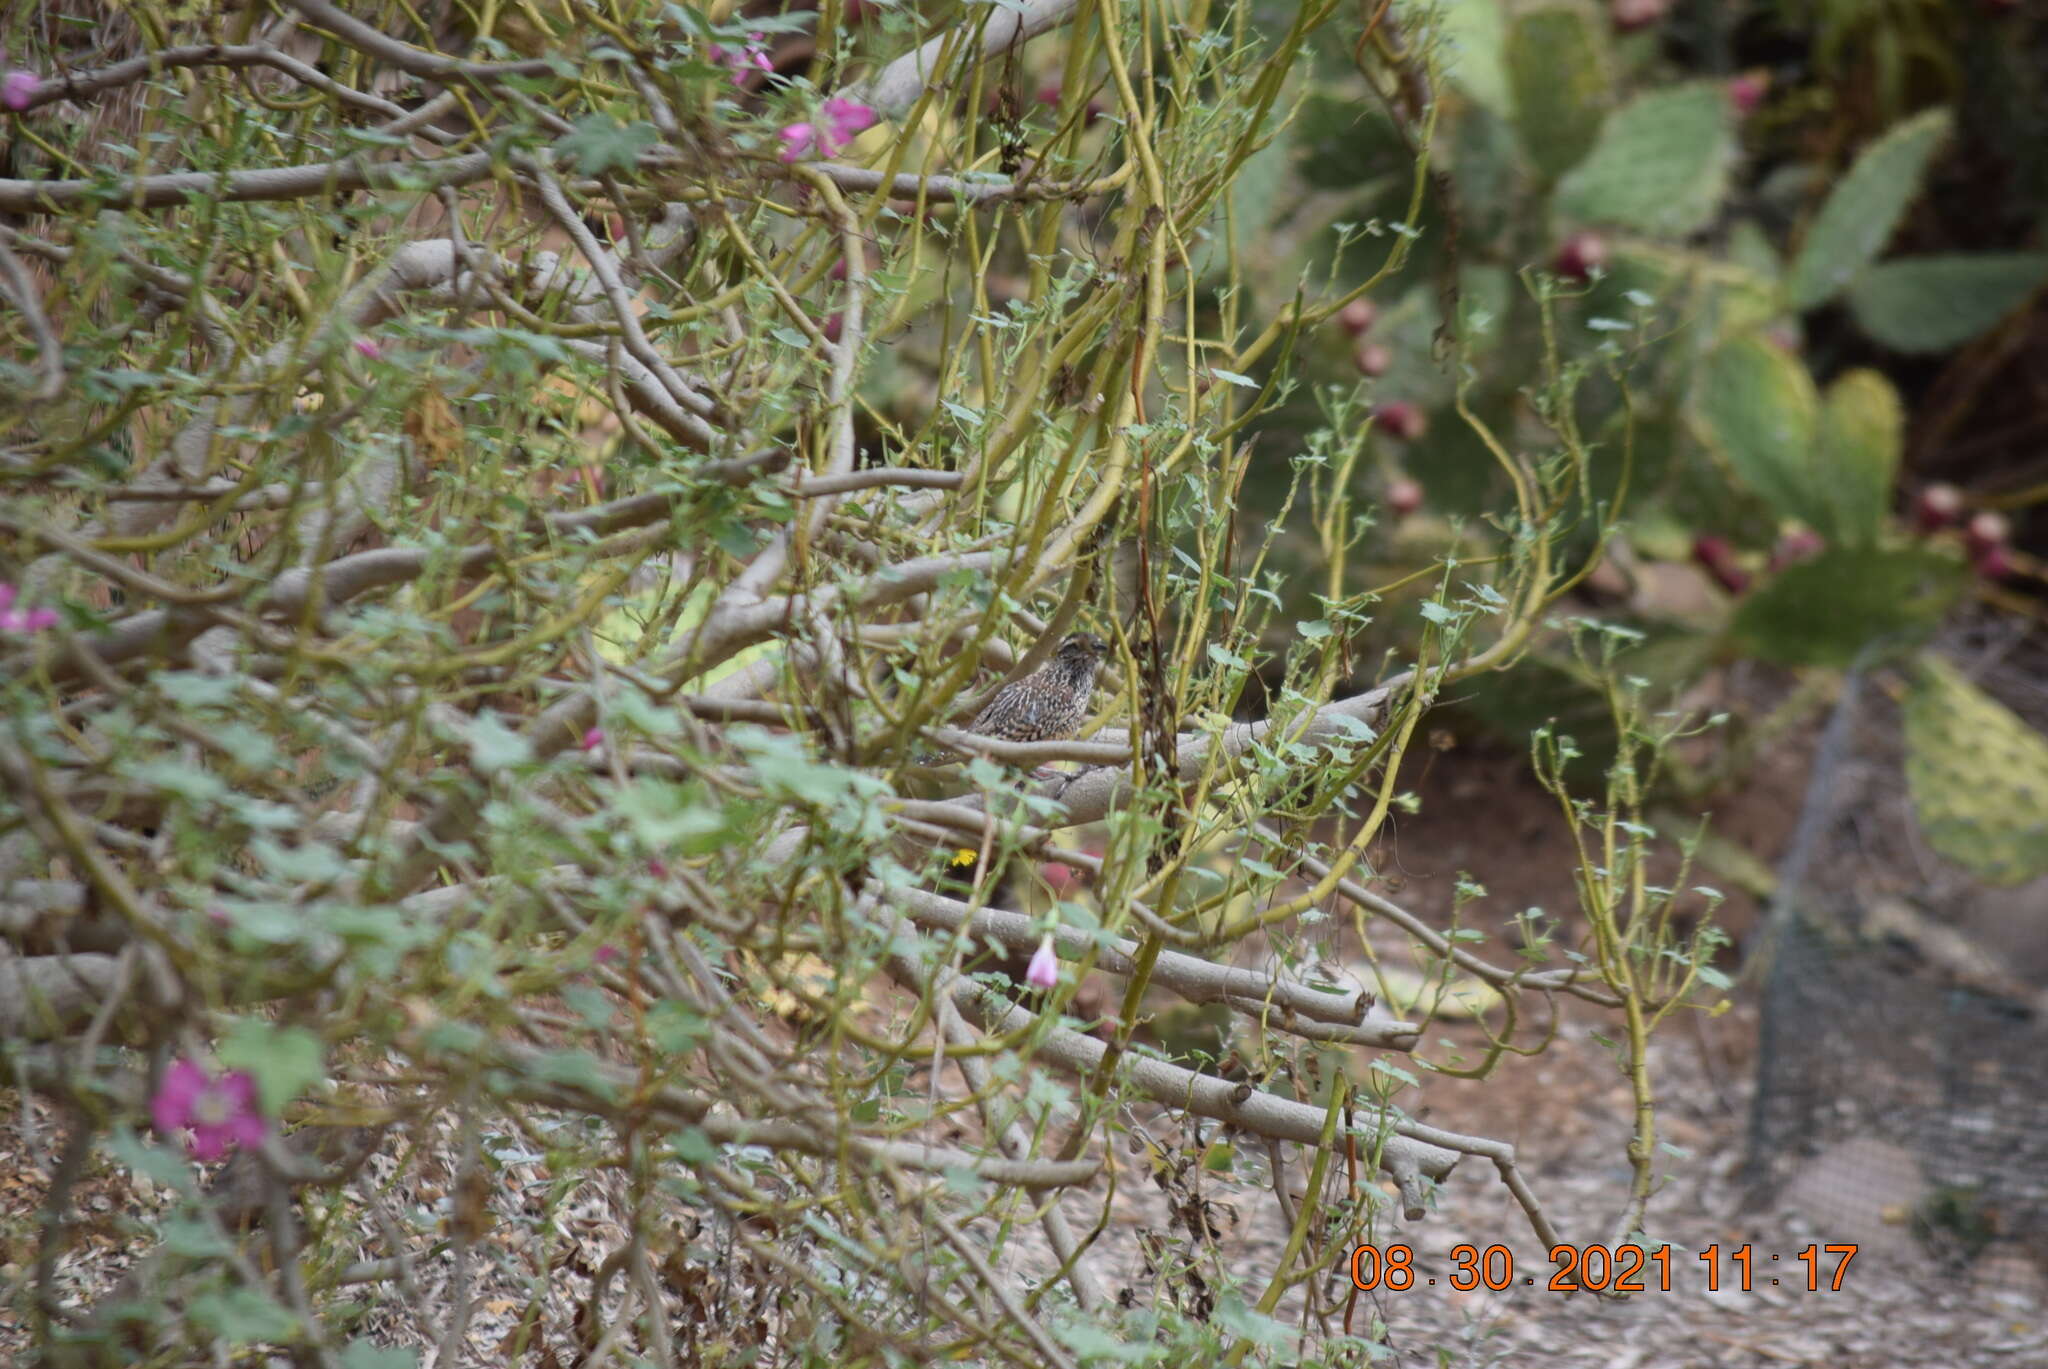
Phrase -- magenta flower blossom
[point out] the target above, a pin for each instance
(593, 739)
(18, 87)
(1044, 971)
(218, 1112)
(22, 620)
(370, 348)
(754, 57)
(605, 955)
(799, 138)
(843, 120)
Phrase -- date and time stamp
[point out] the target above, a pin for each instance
(1606, 1269)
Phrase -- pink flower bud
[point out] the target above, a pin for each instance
(17, 88)
(1401, 419)
(1629, 15)
(1937, 506)
(835, 326)
(1987, 531)
(1357, 317)
(1044, 971)
(1796, 545)
(605, 955)
(370, 348)
(1717, 558)
(1372, 358)
(1746, 92)
(1404, 496)
(1580, 256)
(1992, 563)
(593, 739)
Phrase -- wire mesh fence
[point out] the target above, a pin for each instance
(1902, 1084)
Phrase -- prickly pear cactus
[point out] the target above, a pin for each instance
(1558, 75)
(1933, 303)
(1862, 428)
(1978, 776)
(1860, 214)
(1754, 407)
(1828, 610)
(1660, 165)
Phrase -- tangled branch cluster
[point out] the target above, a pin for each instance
(500, 512)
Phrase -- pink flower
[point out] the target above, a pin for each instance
(593, 739)
(1044, 971)
(1404, 496)
(22, 620)
(18, 87)
(369, 347)
(219, 1112)
(799, 138)
(843, 121)
(605, 955)
(754, 56)
(1747, 91)
(1798, 544)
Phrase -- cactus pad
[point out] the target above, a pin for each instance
(1978, 775)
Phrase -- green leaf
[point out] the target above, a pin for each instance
(175, 777)
(1825, 611)
(1862, 431)
(1930, 304)
(154, 1161)
(1859, 216)
(284, 1061)
(676, 1027)
(194, 1240)
(1229, 660)
(663, 814)
(242, 1315)
(494, 746)
(590, 1004)
(1558, 76)
(1660, 166)
(1754, 406)
(360, 1354)
(1978, 776)
(601, 143)
(578, 1069)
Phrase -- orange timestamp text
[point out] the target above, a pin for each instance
(1603, 1269)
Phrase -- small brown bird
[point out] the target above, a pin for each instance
(1050, 703)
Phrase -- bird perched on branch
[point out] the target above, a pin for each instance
(1049, 704)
